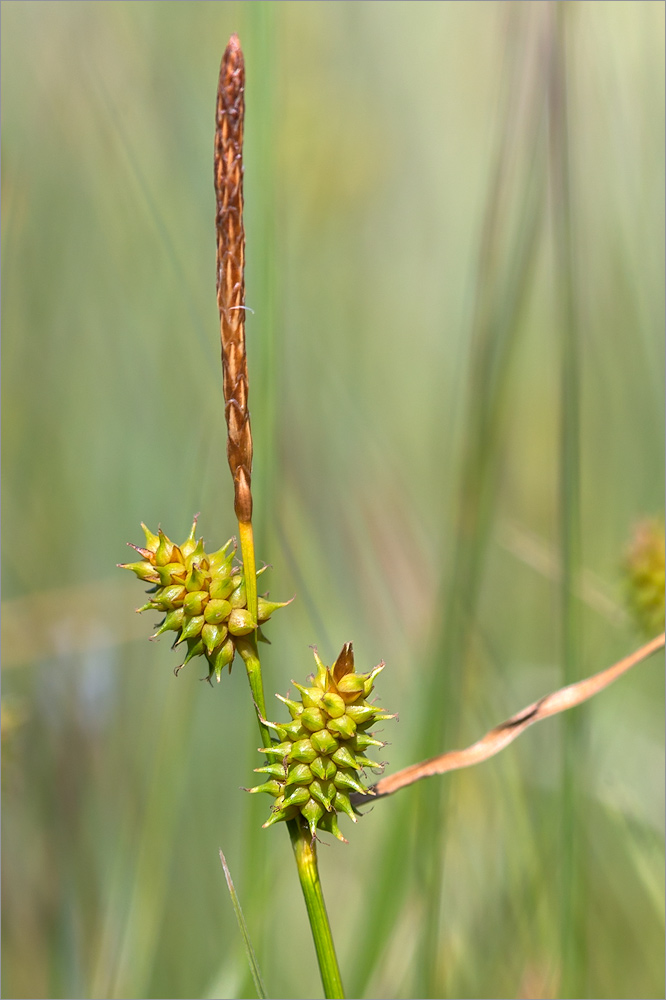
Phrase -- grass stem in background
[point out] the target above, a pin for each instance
(503, 282)
(572, 922)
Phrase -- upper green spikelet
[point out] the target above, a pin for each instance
(319, 760)
(201, 595)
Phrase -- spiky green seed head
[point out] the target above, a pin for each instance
(201, 595)
(320, 759)
(644, 573)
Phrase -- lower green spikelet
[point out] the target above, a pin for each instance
(202, 596)
(317, 763)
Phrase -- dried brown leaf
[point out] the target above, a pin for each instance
(506, 732)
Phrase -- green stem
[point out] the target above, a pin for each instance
(249, 565)
(247, 647)
(305, 852)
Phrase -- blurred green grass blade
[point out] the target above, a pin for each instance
(382, 911)
(572, 913)
(249, 950)
(506, 259)
(133, 923)
(505, 272)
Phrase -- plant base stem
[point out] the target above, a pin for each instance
(305, 852)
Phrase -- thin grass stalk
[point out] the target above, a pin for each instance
(572, 927)
(146, 885)
(245, 934)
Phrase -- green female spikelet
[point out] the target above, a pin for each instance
(318, 762)
(202, 596)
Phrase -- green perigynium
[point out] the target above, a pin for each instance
(202, 596)
(321, 754)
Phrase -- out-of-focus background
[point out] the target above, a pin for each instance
(455, 217)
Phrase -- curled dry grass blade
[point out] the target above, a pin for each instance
(500, 737)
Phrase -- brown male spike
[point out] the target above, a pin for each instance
(230, 271)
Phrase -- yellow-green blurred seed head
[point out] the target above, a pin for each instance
(201, 595)
(644, 572)
(320, 756)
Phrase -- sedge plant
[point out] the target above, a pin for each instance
(316, 761)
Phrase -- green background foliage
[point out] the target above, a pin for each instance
(404, 352)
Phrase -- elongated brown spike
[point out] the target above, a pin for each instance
(230, 271)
